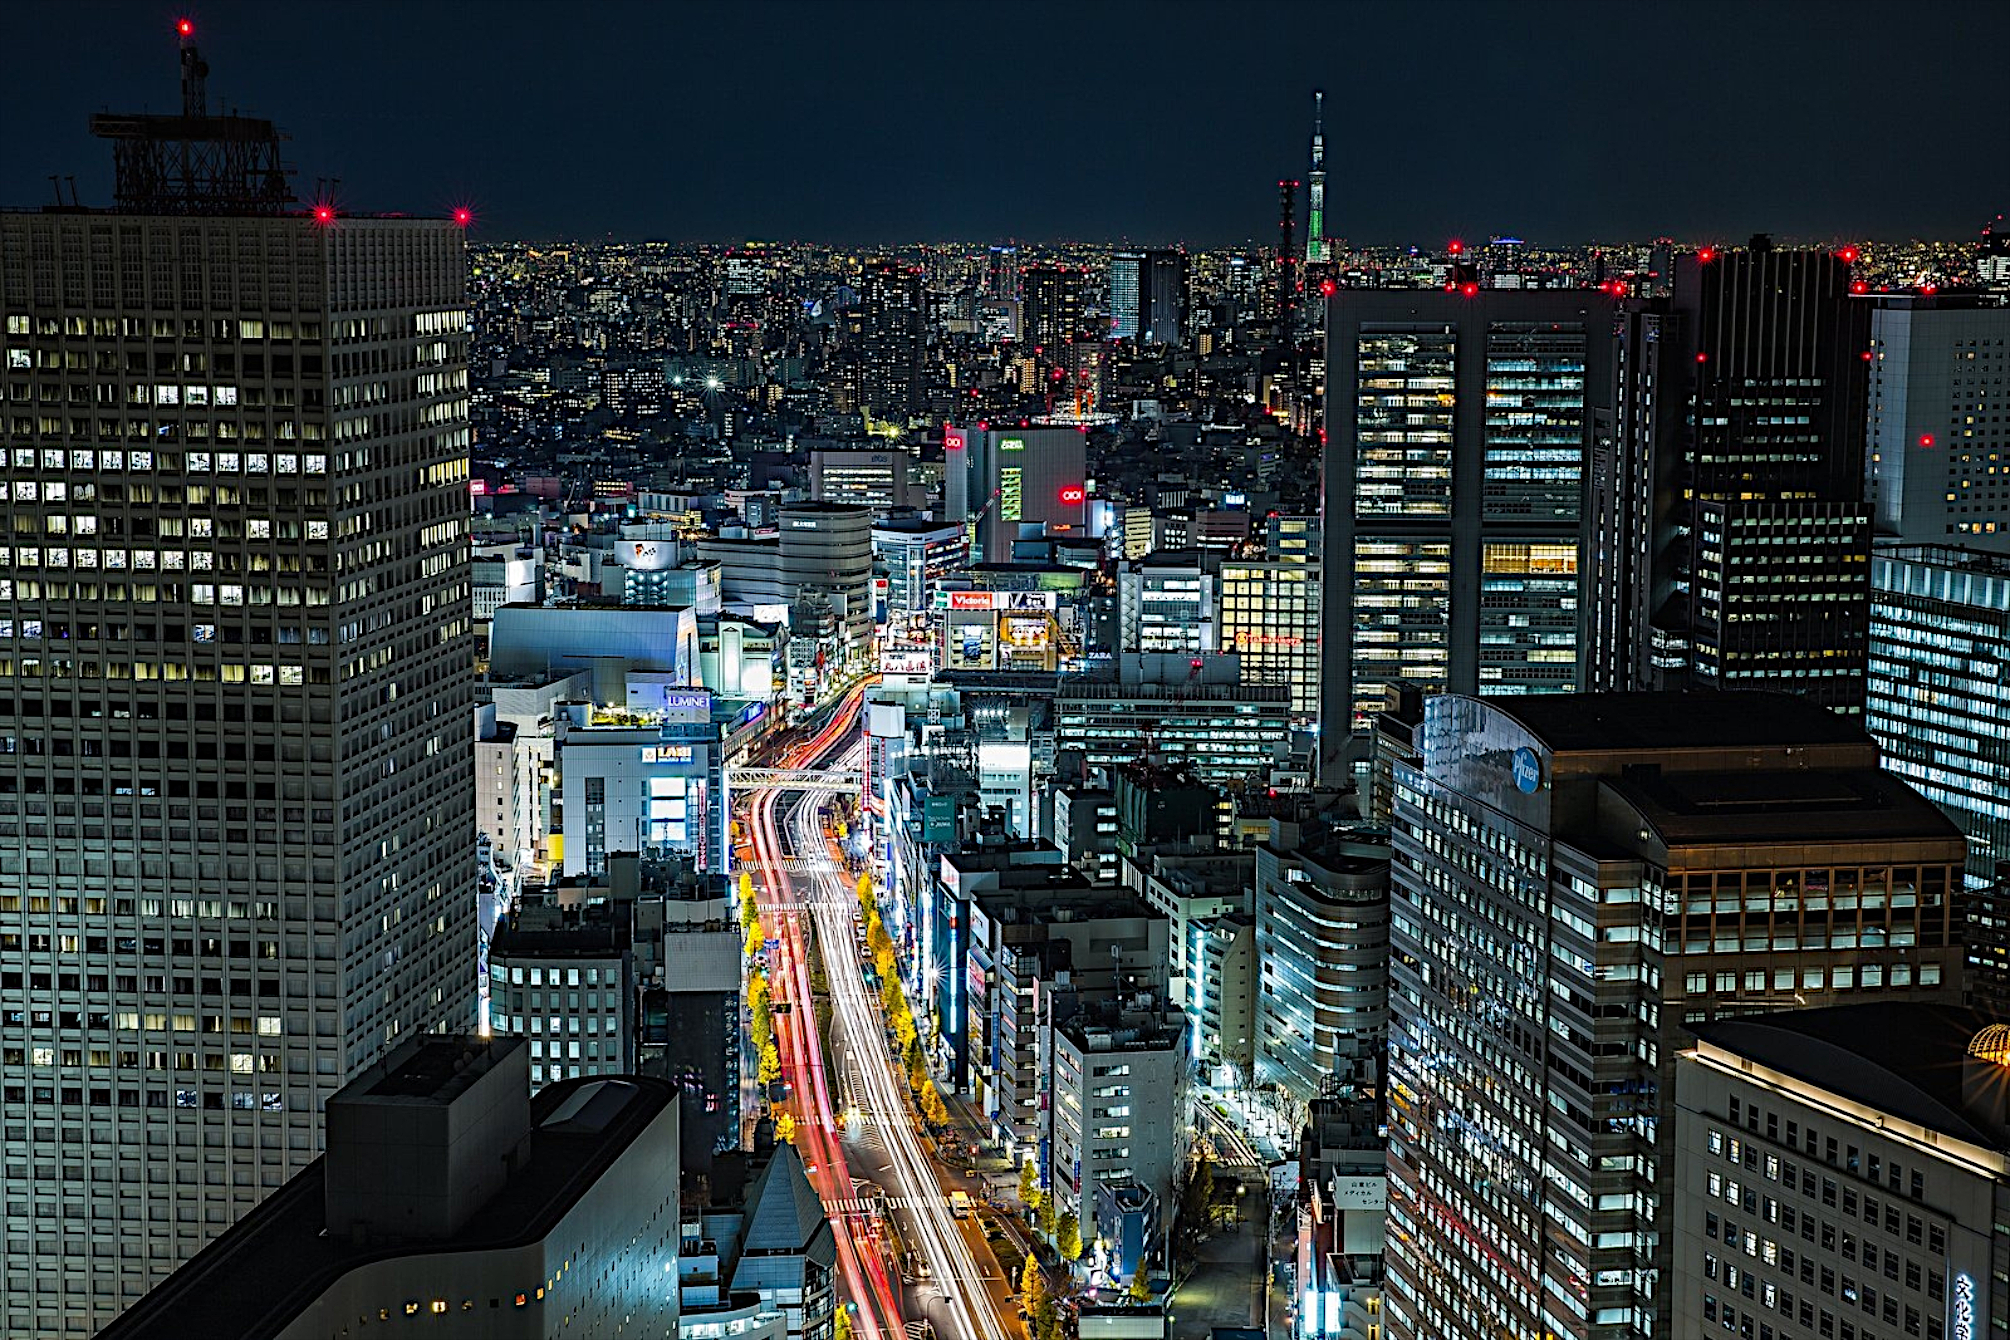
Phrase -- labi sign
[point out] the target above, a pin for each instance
(1527, 771)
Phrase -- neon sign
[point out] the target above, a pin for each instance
(1073, 495)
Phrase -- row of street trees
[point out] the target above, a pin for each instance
(759, 1006)
(899, 1018)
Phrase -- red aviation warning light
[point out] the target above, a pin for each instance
(1857, 286)
(1848, 255)
(1455, 247)
(1469, 288)
(184, 28)
(463, 216)
(1706, 254)
(324, 214)
(1327, 288)
(1926, 439)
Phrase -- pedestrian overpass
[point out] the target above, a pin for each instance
(792, 779)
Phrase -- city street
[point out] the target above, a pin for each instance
(856, 1126)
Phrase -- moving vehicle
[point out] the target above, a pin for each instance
(959, 1204)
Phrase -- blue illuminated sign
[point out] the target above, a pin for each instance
(1527, 771)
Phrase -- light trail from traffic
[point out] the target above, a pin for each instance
(816, 1135)
(954, 1269)
(817, 1132)
(790, 832)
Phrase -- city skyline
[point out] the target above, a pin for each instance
(868, 124)
(1300, 789)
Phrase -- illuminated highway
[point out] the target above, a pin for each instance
(817, 1137)
(966, 1287)
(800, 878)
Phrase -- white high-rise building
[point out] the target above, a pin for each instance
(237, 828)
(1938, 464)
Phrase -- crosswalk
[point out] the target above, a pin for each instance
(875, 1204)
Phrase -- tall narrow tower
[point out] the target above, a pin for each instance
(1316, 250)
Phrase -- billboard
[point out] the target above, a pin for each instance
(969, 640)
(910, 662)
(1024, 632)
(646, 555)
(996, 600)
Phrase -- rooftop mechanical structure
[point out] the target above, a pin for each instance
(195, 163)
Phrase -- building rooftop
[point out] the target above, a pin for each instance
(1903, 1058)
(436, 1071)
(1096, 1031)
(1952, 556)
(826, 509)
(255, 1279)
(914, 525)
(1611, 722)
(1777, 805)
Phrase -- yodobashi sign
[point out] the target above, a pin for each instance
(1963, 1327)
(1527, 771)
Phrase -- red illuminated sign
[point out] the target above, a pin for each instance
(1073, 496)
(952, 438)
(970, 600)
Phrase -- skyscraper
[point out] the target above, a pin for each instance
(1126, 299)
(1001, 274)
(1732, 537)
(1939, 458)
(1148, 296)
(1577, 880)
(237, 791)
(1162, 298)
(1459, 424)
(1052, 313)
(892, 341)
(1939, 659)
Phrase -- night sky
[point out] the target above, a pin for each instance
(859, 123)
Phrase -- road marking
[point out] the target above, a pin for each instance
(874, 1204)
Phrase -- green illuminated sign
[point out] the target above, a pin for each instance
(1009, 495)
(1013, 444)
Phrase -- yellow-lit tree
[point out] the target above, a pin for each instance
(756, 938)
(1029, 1186)
(933, 1109)
(785, 1128)
(771, 1064)
(1068, 1237)
(761, 1010)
